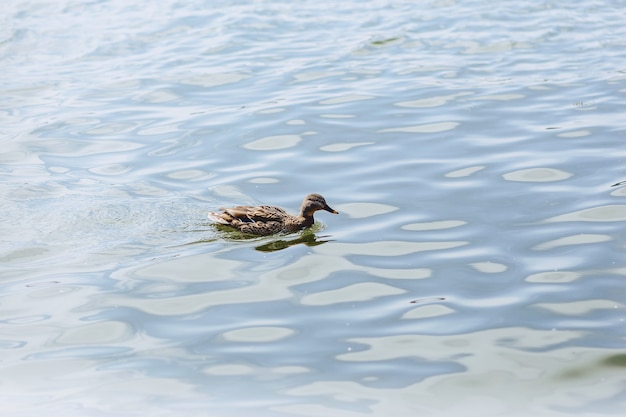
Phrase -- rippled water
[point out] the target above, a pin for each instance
(477, 267)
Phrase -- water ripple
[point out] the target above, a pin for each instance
(470, 148)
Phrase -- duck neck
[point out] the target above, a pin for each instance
(308, 218)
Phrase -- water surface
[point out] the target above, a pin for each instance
(477, 266)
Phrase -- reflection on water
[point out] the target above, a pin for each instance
(277, 242)
(477, 267)
(308, 239)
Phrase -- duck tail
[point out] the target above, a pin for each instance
(217, 218)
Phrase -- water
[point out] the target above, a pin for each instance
(477, 265)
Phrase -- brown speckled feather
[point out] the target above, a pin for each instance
(256, 213)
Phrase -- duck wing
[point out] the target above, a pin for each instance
(263, 214)
(255, 220)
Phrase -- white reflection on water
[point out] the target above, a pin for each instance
(353, 293)
(427, 128)
(257, 334)
(500, 361)
(580, 239)
(273, 142)
(606, 213)
(537, 175)
(273, 285)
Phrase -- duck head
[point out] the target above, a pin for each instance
(313, 203)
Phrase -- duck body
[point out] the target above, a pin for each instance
(269, 220)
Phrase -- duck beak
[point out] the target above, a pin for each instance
(327, 208)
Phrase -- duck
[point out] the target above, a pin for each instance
(269, 220)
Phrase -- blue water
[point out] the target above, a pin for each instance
(476, 267)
